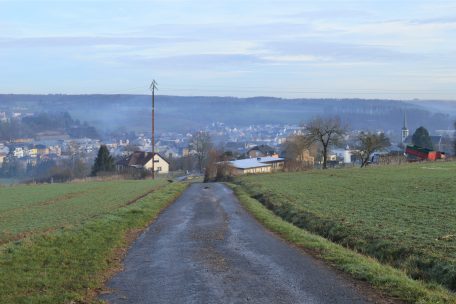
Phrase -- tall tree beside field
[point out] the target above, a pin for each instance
(369, 143)
(422, 139)
(104, 161)
(326, 132)
(202, 144)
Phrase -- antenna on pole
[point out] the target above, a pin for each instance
(153, 87)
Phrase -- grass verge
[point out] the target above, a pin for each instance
(70, 265)
(387, 279)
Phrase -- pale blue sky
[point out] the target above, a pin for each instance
(361, 48)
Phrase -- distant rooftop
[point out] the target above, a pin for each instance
(256, 162)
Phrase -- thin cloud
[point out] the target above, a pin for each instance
(201, 61)
(336, 51)
(85, 41)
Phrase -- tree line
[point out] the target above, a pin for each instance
(30, 126)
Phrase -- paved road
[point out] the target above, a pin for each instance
(206, 249)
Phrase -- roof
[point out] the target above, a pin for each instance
(138, 158)
(265, 149)
(254, 162)
(435, 139)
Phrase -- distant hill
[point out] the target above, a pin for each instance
(177, 113)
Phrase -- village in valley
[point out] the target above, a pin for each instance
(62, 155)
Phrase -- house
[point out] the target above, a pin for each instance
(256, 165)
(4, 149)
(143, 160)
(18, 152)
(169, 152)
(51, 135)
(32, 152)
(2, 158)
(235, 147)
(23, 140)
(41, 150)
(302, 156)
(3, 117)
(261, 151)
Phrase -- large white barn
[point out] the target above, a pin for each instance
(256, 165)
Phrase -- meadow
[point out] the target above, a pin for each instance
(404, 216)
(29, 209)
(62, 241)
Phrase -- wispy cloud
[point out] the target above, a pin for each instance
(333, 51)
(87, 41)
(202, 61)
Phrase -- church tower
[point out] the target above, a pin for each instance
(405, 130)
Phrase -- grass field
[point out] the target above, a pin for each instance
(389, 281)
(404, 216)
(29, 209)
(63, 240)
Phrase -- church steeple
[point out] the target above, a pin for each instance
(405, 122)
(405, 130)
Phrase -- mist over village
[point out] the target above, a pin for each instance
(227, 151)
(46, 138)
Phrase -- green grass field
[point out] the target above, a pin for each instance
(60, 241)
(29, 209)
(404, 216)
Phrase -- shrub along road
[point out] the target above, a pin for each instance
(206, 249)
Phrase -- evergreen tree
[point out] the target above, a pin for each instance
(104, 161)
(422, 139)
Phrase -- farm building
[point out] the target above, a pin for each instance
(424, 154)
(256, 165)
(143, 160)
(440, 143)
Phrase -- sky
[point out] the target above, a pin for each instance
(395, 49)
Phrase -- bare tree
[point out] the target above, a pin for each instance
(326, 132)
(369, 143)
(298, 153)
(202, 144)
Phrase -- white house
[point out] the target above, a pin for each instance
(143, 160)
(19, 152)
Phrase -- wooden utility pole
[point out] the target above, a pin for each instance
(153, 86)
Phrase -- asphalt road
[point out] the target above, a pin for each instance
(206, 249)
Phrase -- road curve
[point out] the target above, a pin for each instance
(206, 249)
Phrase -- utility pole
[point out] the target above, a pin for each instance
(153, 86)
